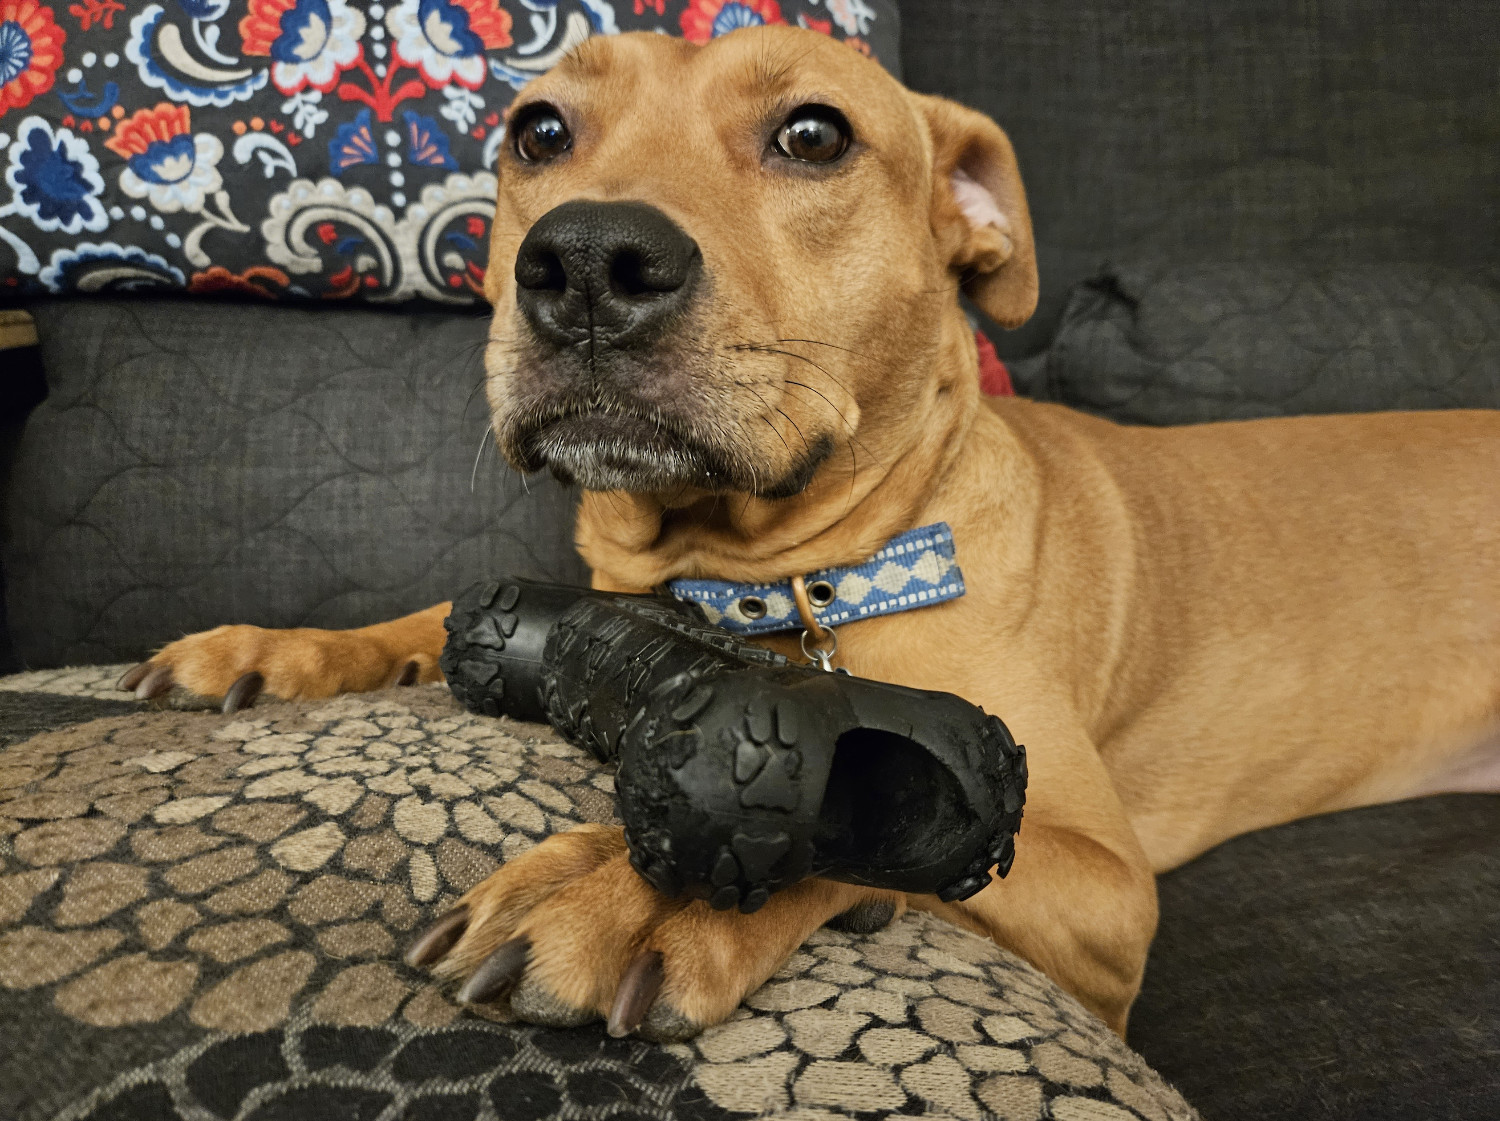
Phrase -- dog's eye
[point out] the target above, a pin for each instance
(814, 134)
(541, 134)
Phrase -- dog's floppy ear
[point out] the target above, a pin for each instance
(979, 214)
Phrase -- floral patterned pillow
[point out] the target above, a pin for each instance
(293, 148)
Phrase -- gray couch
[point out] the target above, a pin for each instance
(1245, 208)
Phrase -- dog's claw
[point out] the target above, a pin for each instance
(156, 682)
(638, 988)
(497, 973)
(243, 692)
(438, 938)
(409, 673)
(132, 677)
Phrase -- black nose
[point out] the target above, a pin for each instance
(614, 273)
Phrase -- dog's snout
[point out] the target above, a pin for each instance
(617, 273)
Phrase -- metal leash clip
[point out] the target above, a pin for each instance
(825, 642)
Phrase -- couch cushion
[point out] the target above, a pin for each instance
(1180, 343)
(202, 915)
(1340, 968)
(293, 148)
(199, 464)
(21, 387)
(1339, 132)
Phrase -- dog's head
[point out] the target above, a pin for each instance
(715, 268)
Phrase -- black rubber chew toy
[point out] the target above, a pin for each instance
(741, 773)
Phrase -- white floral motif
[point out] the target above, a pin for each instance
(54, 179)
(462, 108)
(434, 43)
(401, 256)
(273, 154)
(852, 16)
(306, 111)
(338, 51)
(180, 181)
(88, 267)
(312, 43)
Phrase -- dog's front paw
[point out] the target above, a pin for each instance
(568, 933)
(235, 664)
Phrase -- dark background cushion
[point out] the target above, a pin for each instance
(1182, 343)
(22, 387)
(198, 464)
(1343, 132)
(1340, 968)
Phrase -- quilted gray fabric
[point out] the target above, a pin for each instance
(1341, 968)
(1340, 132)
(198, 464)
(1178, 344)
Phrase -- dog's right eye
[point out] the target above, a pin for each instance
(541, 135)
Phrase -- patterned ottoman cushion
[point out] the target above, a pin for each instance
(201, 916)
(293, 148)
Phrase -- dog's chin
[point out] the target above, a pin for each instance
(612, 452)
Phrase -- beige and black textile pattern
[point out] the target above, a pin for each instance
(17, 329)
(201, 917)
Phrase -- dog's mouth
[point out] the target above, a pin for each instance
(606, 449)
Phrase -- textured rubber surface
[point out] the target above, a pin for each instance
(739, 772)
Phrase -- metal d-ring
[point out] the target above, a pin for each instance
(824, 657)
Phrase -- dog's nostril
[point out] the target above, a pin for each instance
(541, 271)
(627, 272)
(638, 271)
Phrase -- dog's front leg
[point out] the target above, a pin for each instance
(1080, 900)
(1080, 912)
(238, 662)
(568, 932)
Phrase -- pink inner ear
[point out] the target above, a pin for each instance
(977, 204)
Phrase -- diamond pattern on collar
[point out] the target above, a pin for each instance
(915, 569)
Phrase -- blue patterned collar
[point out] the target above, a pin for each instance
(916, 569)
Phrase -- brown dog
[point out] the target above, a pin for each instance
(743, 338)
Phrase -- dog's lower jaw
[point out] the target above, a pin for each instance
(613, 464)
(608, 450)
(614, 452)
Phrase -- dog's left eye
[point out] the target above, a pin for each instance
(814, 134)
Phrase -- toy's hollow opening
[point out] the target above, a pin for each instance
(888, 803)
